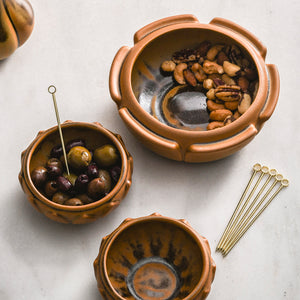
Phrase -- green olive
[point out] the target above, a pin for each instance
(106, 156)
(71, 177)
(79, 157)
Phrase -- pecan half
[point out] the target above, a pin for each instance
(228, 92)
(203, 48)
(185, 55)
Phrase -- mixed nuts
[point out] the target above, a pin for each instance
(230, 79)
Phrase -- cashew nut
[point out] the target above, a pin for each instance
(198, 71)
(211, 105)
(220, 114)
(178, 73)
(214, 125)
(213, 52)
(232, 105)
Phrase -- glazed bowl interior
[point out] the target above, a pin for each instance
(154, 259)
(150, 86)
(94, 137)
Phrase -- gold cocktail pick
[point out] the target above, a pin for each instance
(52, 91)
(245, 227)
(244, 217)
(256, 168)
(271, 174)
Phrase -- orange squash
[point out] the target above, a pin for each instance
(16, 25)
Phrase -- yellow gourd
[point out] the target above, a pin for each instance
(16, 25)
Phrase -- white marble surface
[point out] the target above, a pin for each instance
(72, 46)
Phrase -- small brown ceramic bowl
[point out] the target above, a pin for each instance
(154, 258)
(37, 154)
(136, 86)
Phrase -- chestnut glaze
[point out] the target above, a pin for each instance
(154, 258)
(37, 154)
(135, 78)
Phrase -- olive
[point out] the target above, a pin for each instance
(79, 157)
(73, 202)
(71, 177)
(53, 171)
(56, 151)
(54, 162)
(60, 197)
(104, 175)
(39, 176)
(96, 188)
(64, 185)
(51, 187)
(106, 156)
(115, 173)
(85, 198)
(81, 183)
(74, 143)
(92, 171)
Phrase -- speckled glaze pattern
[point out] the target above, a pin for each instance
(16, 25)
(37, 154)
(156, 42)
(154, 258)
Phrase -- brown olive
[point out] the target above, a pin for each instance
(56, 151)
(54, 162)
(73, 202)
(115, 173)
(104, 175)
(64, 185)
(53, 171)
(73, 143)
(81, 183)
(106, 156)
(51, 187)
(79, 157)
(85, 198)
(92, 171)
(39, 176)
(96, 188)
(60, 197)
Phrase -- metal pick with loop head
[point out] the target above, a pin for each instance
(242, 218)
(52, 91)
(245, 226)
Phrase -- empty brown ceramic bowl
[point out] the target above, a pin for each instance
(136, 86)
(37, 154)
(154, 258)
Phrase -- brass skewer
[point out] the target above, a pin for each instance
(52, 91)
(256, 168)
(271, 173)
(284, 183)
(264, 171)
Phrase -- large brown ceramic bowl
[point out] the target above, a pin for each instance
(135, 81)
(37, 154)
(154, 258)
